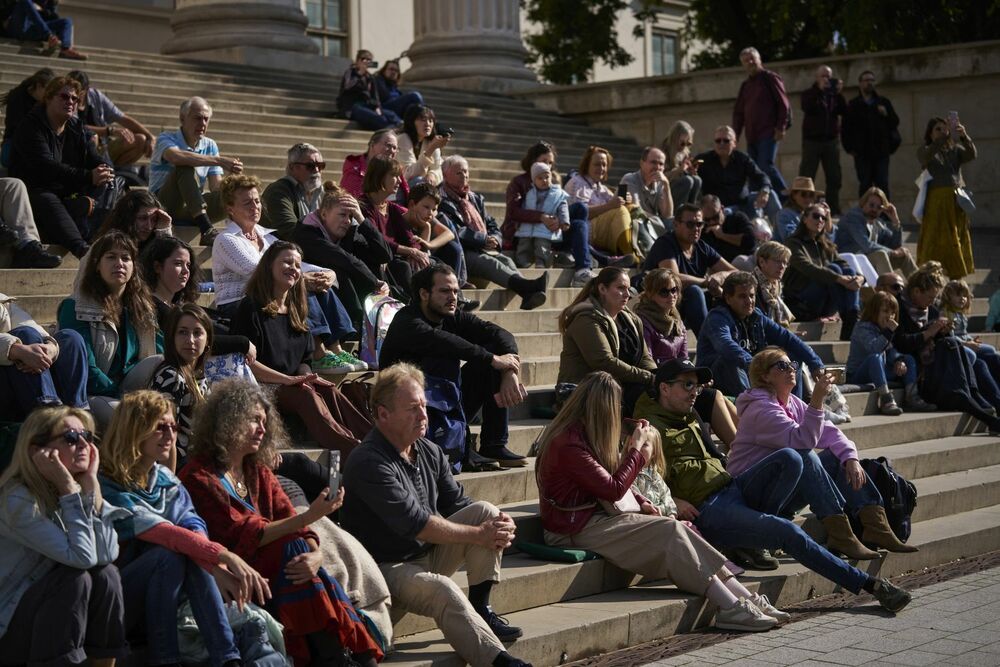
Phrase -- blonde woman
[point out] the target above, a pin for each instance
(60, 594)
(610, 221)
(165, 545)
(682, 168)
(580, 469)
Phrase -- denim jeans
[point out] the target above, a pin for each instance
(577, 240)
(824, 487)
(152, 583)
(451, 253)
(64, 382)
(879, 371)
(369, 119)
(872, 172)
(398, 105)
(817, 300)
(327, 317)
(694, 307)
(479, 381)
(26, 23)
(731, 379)
(764, 152)
(685, 189)
(734, 518)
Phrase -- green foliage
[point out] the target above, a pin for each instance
(575, 35)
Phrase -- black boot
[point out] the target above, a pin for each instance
(848, 320)
(532, 292)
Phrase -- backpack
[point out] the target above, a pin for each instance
(899, 495)
(379, 311)
(446, 423)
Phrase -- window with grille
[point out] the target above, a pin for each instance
(328, 25)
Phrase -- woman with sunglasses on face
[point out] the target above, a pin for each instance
(833, 481)
(666, 337)
(273, 317)
(60, 595)
(165, 550)
(818, 283)
(113, 311)
(681, 168)
(234, 448)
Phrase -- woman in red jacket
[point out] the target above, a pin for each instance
(580, 472)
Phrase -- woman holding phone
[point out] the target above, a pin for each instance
(944, 232)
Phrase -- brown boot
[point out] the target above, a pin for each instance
(878, 532)
(840, 538)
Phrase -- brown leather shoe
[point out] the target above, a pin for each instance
(878, 532)
(72, 54)
(841, 539)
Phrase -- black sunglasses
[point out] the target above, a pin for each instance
(694, 224)
(819, 216)
(688, 385)
(312, 165)
(786, 365)
(668, 291)
(724, 141)
(72, 437)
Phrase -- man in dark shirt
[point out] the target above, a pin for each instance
(697, 264)
(823, 106)
(415, 520)
(730, 235)
(433, 334)
(733, 177)
(871, 134)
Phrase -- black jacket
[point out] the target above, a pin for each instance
(450, 215)
(49, 162)
(867, 133)
(733, 183)
(358, 257)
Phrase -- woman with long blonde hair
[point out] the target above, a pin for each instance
(581, 473)
(60, 594)
(165, 545)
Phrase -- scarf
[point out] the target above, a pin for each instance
(667, 323)
(470, 215)
(770, 291)
(165, 501)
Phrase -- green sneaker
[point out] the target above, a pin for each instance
(331, 363)
(349, 359)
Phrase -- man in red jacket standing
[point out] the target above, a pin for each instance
(762, 109)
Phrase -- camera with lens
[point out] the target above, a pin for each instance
(444, 132)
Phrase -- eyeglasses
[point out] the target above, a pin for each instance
(724, 140)
(70, 98)
(668, 291)
(785, 366)
(166, 428)
(319, 166)
(71, 437)
(694, 224)
(819, 216)
(688, 385)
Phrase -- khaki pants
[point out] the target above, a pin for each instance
(656, 547)
(886, 263)
(15, 209)
(183, 199)
(424, 587)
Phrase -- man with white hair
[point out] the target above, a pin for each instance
(650, 189)
(762, 110)
(296, 194)
(823, 108)
(465, 212)
(183, 162)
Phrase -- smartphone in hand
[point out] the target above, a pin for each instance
(622, 190)
(953, 120)
(333, 473)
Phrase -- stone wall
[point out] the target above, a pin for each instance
(921, 83)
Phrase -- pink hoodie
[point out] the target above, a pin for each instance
(766, 425)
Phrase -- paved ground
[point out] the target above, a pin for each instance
(954, 622)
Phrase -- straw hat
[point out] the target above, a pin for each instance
(804, 184)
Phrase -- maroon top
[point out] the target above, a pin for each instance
(762, 106)
(392, 224)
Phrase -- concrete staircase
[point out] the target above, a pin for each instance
(567, 611)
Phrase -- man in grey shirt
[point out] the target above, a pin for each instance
(650, 190)
(411, 515)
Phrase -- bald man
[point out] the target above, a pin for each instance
(823, 107)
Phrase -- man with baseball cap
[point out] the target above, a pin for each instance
(739, 512)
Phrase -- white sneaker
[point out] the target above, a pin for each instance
(581, 277)
(744, 616)
(761, 602)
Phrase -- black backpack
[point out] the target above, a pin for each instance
(899, 495)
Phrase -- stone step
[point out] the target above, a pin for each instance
(600, 622)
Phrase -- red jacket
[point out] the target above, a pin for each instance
(761, 107)
(352, 176)
(570, 477)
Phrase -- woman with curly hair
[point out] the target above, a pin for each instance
(233, 451)
(165, 550)
(113, 311)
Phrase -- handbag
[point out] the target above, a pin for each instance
(624, 505)
(964, 199)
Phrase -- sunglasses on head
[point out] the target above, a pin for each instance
(668, 291)
(688, 385)
(73, 437)
(724, 140)
(312, 165)
(784, 366)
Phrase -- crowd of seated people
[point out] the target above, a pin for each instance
(191, 400)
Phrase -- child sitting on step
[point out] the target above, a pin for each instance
(534, 240)
(956, 304)
(873, 358)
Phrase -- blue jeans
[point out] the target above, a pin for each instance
(577, 237)
(26, 23)
(451, 254)
(398, 105)
(64, 382)
(986, 364)
(369, 119)
(764, 152)
(817, 300)
(694, 307)
(824, 487)
(152, 583)
(328, 319)
(732, 518)
(878, 370)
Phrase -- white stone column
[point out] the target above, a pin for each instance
(263, 33)
(471, 44)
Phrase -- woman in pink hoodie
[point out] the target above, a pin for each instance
(771, 417)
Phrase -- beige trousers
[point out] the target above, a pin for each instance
(15, 209)
(886, 263)
(424, 587)
(656, 547)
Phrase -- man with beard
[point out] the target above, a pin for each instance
(296, 194)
